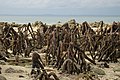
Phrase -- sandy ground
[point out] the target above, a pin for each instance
(110, 73)
(26, 74)
(15, 76)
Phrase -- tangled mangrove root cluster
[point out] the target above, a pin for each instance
(69, 45)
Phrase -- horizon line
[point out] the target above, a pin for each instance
(54, 15)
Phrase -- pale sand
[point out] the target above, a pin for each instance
(110, 74)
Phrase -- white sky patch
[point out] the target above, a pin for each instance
(59, 3)
(26, 3)
(60, 7)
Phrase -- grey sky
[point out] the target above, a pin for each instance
(60, 7)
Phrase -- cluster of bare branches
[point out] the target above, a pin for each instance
(68, 45)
